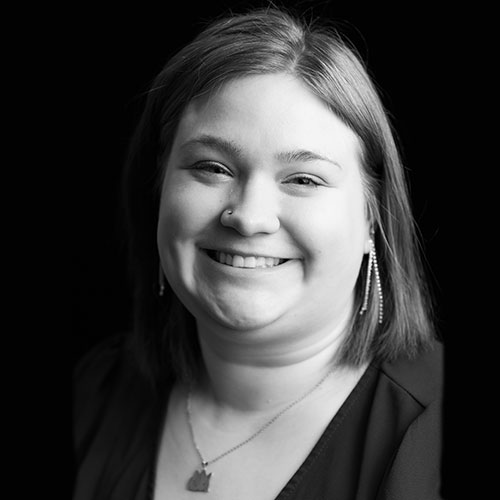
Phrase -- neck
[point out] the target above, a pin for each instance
(246, 372)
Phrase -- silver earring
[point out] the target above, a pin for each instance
(373, 265)
(161, 282)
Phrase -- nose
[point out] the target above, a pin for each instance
(253, 209)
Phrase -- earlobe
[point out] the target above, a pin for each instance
(369, 238)
(367, 246)
(370, 224)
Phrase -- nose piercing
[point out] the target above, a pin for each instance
(224, 218)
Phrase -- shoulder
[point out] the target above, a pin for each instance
(414, 470)
(116, 413)
(101, 354)
(95, 378)
(421, 378)
(107, 386)
(96, 367)
(108, 369)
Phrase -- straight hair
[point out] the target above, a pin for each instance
(269, 41)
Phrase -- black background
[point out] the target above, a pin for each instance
(417, 56)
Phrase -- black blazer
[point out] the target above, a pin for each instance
(415, 469)
(383, 444)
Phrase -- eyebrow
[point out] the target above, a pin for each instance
(230, 148)
(214, 142)
(303, 155)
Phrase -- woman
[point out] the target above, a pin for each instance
(282, 346)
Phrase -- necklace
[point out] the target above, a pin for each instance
(200, 480)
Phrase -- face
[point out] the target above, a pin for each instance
(287, 258)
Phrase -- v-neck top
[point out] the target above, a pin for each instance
(383, 443)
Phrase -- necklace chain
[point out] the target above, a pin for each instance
(205, 463)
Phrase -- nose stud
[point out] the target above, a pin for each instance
(225, 216)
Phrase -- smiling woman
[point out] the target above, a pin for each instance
(283, 345)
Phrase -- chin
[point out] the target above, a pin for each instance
(245, 318)
(243, 323)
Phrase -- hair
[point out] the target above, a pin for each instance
(267, 41)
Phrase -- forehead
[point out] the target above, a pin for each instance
(268, 112)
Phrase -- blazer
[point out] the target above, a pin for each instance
(389, 447)
(415, 469)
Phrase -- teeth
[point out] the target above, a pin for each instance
(238, 261)
(247, 262)
(260, 262)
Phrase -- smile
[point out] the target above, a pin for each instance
(249, 262)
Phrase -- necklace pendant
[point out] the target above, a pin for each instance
(199, 481)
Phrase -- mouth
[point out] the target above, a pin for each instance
(245, 261)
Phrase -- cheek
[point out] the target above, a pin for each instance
(183, 210)
(333, 237)
(171, 223)
(188, 212)
(179, 221)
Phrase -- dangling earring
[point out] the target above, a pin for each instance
(161, 282)
(373, 264)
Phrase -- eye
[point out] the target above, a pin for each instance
(304, 180)
(211, 167)
(209, 172)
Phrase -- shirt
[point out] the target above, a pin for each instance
(384, 443)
